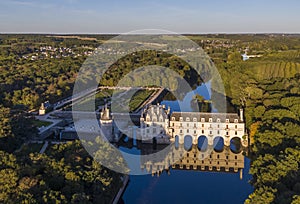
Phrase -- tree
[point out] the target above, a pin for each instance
(5, 122)
(259, 111)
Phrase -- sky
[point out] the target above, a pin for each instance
(122, 16)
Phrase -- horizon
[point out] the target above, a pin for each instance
(221, 33)
(115, 17)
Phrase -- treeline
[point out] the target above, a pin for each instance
(150, 58)
(275, 129)
(30, 83)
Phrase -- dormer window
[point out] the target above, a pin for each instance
(236, 120)
(218, 120)
(173, 118)
(210, 120)
(227, 120)
(194, 119)
(181, 119)
(202, 120)
(187, 119)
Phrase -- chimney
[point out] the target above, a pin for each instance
(242, 115)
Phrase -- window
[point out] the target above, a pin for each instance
(188, 125)
(173, 119)
(218, 132)
(227, 120)
(210, 120)
(202, 120)
(202, 131)
(202, 125)
(236, 127)
(181, 131)
(194, 119)
(181, 119)
(236, 120)
(188, 131)
(226, 126)
(154, 130)
(195, 132)
(218, 120)
(236, 132)
(187, 119)
(210, 132)
(227, 133)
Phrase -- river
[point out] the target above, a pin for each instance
(182, 185)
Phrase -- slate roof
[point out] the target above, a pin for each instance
(198, 115)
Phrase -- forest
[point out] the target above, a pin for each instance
(267, 87)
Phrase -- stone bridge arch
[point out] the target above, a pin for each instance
(188, 142)
(218, 143)
(202, 143)
(236, 145)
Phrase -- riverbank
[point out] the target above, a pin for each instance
(121, 191)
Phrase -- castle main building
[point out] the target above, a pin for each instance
(160, 125)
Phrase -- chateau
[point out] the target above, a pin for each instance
(159, 125)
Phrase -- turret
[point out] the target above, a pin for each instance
(42, 110)
(242, 115)
(105, 114)
(106, 123)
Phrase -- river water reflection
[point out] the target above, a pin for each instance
(186, 175)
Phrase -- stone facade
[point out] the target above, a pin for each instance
(157, 122)
(154, 125)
